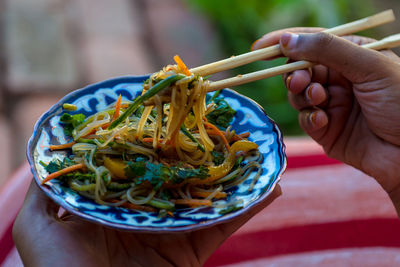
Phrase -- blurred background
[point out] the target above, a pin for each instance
(51, 47)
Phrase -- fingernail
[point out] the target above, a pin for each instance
(252, 45)
(318, 119)
(308, 93)
(288, 80)
(289, 40)
(313, 117)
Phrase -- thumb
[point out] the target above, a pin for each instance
(355, 63)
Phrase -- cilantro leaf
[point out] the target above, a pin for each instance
(158, 174)
(71, 122)
(218, 157)
(222, 115)
(56, 165)
(53, 166)
(135, 169)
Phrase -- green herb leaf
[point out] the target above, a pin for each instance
(71, 122)
(218, 157)
(135, 169)
(158, 174)
(222, 115)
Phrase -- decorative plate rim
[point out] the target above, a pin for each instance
(149, 229)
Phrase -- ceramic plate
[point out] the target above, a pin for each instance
(250, 117)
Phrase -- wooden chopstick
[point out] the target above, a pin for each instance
(272, 51)
(386, 43)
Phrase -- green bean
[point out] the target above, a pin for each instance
(139, 100)
(118, 187)
(191, 137)
(77, 187)
(159, 203)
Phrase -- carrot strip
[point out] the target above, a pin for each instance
(63, 171)
(238, 137)
(117, 108)
(219, 133)
(206, 194)
(132, 206)
(244, 135)
(63, 146)
(170, 213)
(193, 202)
(150, 140)
(105, 126)
(182, 65)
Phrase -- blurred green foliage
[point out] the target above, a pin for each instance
(240, 22)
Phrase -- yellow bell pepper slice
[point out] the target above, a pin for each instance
(222, 170)
(116, 167)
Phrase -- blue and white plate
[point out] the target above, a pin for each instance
(250, 117)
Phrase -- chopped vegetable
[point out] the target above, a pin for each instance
(149, 93)
(191, 137)
(222, 115)
(161, 204)
(132, 206)
(158, 174)
(241, 136)
(69, 107)
(63, 146)
(220, 171)
(71, 122)
(117, 108)
(204, 194)
(193, 202)
(215, 95)
(116, 167)
(219, 133)
(218, 157)
(182, 65)
(113, 186)
(135, 169)
(63, 171)
(56, 165)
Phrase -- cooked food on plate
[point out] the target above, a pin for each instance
(171, 147)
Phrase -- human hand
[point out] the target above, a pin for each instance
(45, 239)
(349, 103)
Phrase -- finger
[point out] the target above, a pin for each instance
(298, 81)
(312, 120)
(355, 63)
(37, 203)
(273, 38)
(320, 74)
(314, 95)
(359, 40)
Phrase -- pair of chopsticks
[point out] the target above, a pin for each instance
(272, 51)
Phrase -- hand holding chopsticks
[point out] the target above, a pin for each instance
(272, 51)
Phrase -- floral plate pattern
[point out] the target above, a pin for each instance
(250, 117)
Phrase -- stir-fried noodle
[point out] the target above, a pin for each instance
(169, 147)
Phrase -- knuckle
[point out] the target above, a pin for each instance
(323, 39)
